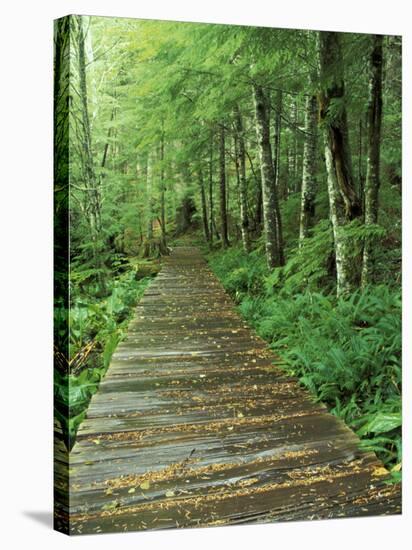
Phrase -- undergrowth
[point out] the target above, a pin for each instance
(347, 352)
(95, 326)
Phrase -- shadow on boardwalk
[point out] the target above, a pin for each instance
(196, 424)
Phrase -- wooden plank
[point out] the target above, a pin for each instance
(196, 424)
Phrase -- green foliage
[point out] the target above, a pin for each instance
(345, 351)
(308, 267)
(102, 322)
(242, 273)
(157, 92)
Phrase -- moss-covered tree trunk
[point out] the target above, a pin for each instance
(91, 181)
(222, 174)
(271, 213)
(343, 201)
(308, 192)
(372, 183)
(241, 167)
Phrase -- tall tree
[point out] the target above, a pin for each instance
(212, 223)
(162, 187)
(204, 205)
(222, 172)
(277, 136)
(343, 201)
(241, 166)
(149, 192)
(91, 181)
(372, 183)
(308, 192)
(271, 212)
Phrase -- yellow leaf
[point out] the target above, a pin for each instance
(131, 490)
(380, 471)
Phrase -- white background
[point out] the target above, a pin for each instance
(26, 268)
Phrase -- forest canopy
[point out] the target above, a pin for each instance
(278, 152)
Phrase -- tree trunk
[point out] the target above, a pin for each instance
(361, 182)
(91, 181)
(149, 218)
(308, 193)
(212, 223)
(162, 189)
(343, 201)
(88, 164)
(204, 206)
(276, 137)
(271, 213)
(222, 166)
(294, 152)
(241, 167)
(372, 182)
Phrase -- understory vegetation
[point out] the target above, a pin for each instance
(346, 351)
(91, 329)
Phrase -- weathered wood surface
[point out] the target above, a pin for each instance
(196, 424)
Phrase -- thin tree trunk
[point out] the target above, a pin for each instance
(241, 167)
(204, 206)
(276, 137)
(222, 167)
(294, 146)
(257, 218)
(343, 201)
(212, 222)
(271, 213)
(361, 183)
(372, 182)
(106, 145)
(308, 193)
(148, 173)
(162, 189)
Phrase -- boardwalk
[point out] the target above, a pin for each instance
(196, 424)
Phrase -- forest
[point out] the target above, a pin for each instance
(277, 152)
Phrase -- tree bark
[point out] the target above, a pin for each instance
(343, 201)
(222, 167)
(271, 213)
(204, 206)
(372, 183)
(294, 152)
(149, 218)
(308, 193)
(212, 223)
(91, 183)
(162, 189)
(276, 137)
(241, 168)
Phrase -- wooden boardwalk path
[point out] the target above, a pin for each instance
(196, 424)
